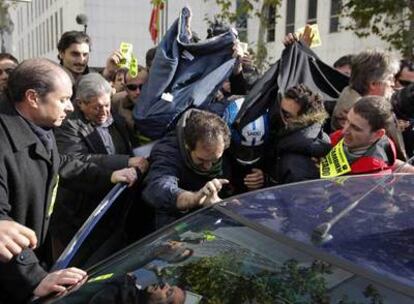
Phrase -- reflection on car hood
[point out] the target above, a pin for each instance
(378, 233)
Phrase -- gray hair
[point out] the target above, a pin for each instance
(92, 85)
(370, 66)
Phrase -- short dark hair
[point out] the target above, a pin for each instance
(205, 127)
(376, 110)
(36, 74)
(343, 61)
(308, 100)
(8, 56)
(71, 37)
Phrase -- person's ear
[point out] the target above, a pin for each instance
(32, 98)
(379, 133)
(60, 55)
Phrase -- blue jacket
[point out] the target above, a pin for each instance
(184, 74)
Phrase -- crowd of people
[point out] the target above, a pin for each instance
(67, 135)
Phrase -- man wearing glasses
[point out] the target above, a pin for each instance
(124, 102)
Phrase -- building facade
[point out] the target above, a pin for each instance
(40, 23)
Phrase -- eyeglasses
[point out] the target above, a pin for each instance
(134, 87)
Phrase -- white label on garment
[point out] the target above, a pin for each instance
(186, 54)
(167, 97)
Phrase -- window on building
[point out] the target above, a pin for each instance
(336, 6)
(48, 48)
(312, 11)
(37, 41)
(290, 16)
(241, 23)
(27, 15)
(271, 23)
(32, 52)
(61, 20)
(56, 28)
(52, 34)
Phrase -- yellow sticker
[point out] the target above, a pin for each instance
(126, 50)
(335, 162)
(53, 200)
(209, 236)
(316, 40)
(101, 278)
(133, 67)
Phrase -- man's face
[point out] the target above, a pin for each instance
(75, 57)
(204, 156)
(133, 85)
(53, 108)
(383, 88)
(97, 110)
(289, 109)
(119, 82)
(165, 295)
(6, 67)
(357, 132)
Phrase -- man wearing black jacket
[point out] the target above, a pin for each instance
(39, 99)
(92, 134)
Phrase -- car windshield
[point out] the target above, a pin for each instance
(378, 233)
(222, 255)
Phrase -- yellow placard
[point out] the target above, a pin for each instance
(335, 162)
(316, 37)
(133, 67)
(126, 50)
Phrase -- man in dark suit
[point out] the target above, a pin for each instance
(39, 94)
(92, 134)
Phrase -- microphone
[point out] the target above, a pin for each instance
(82, 19)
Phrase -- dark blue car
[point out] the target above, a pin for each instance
(344, 240)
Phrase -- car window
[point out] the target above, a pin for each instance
(213, 258)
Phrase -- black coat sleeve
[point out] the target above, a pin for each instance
(70, 141)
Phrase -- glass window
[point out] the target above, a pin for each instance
(61, 20)
(48, 48)
(241, 23)
(57, 35)
(290, 16)
(212, 256)
(271, 23)
(336, 6)
(312, 11)
(52, 35)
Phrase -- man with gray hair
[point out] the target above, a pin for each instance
(92, 134)
(372, 73)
